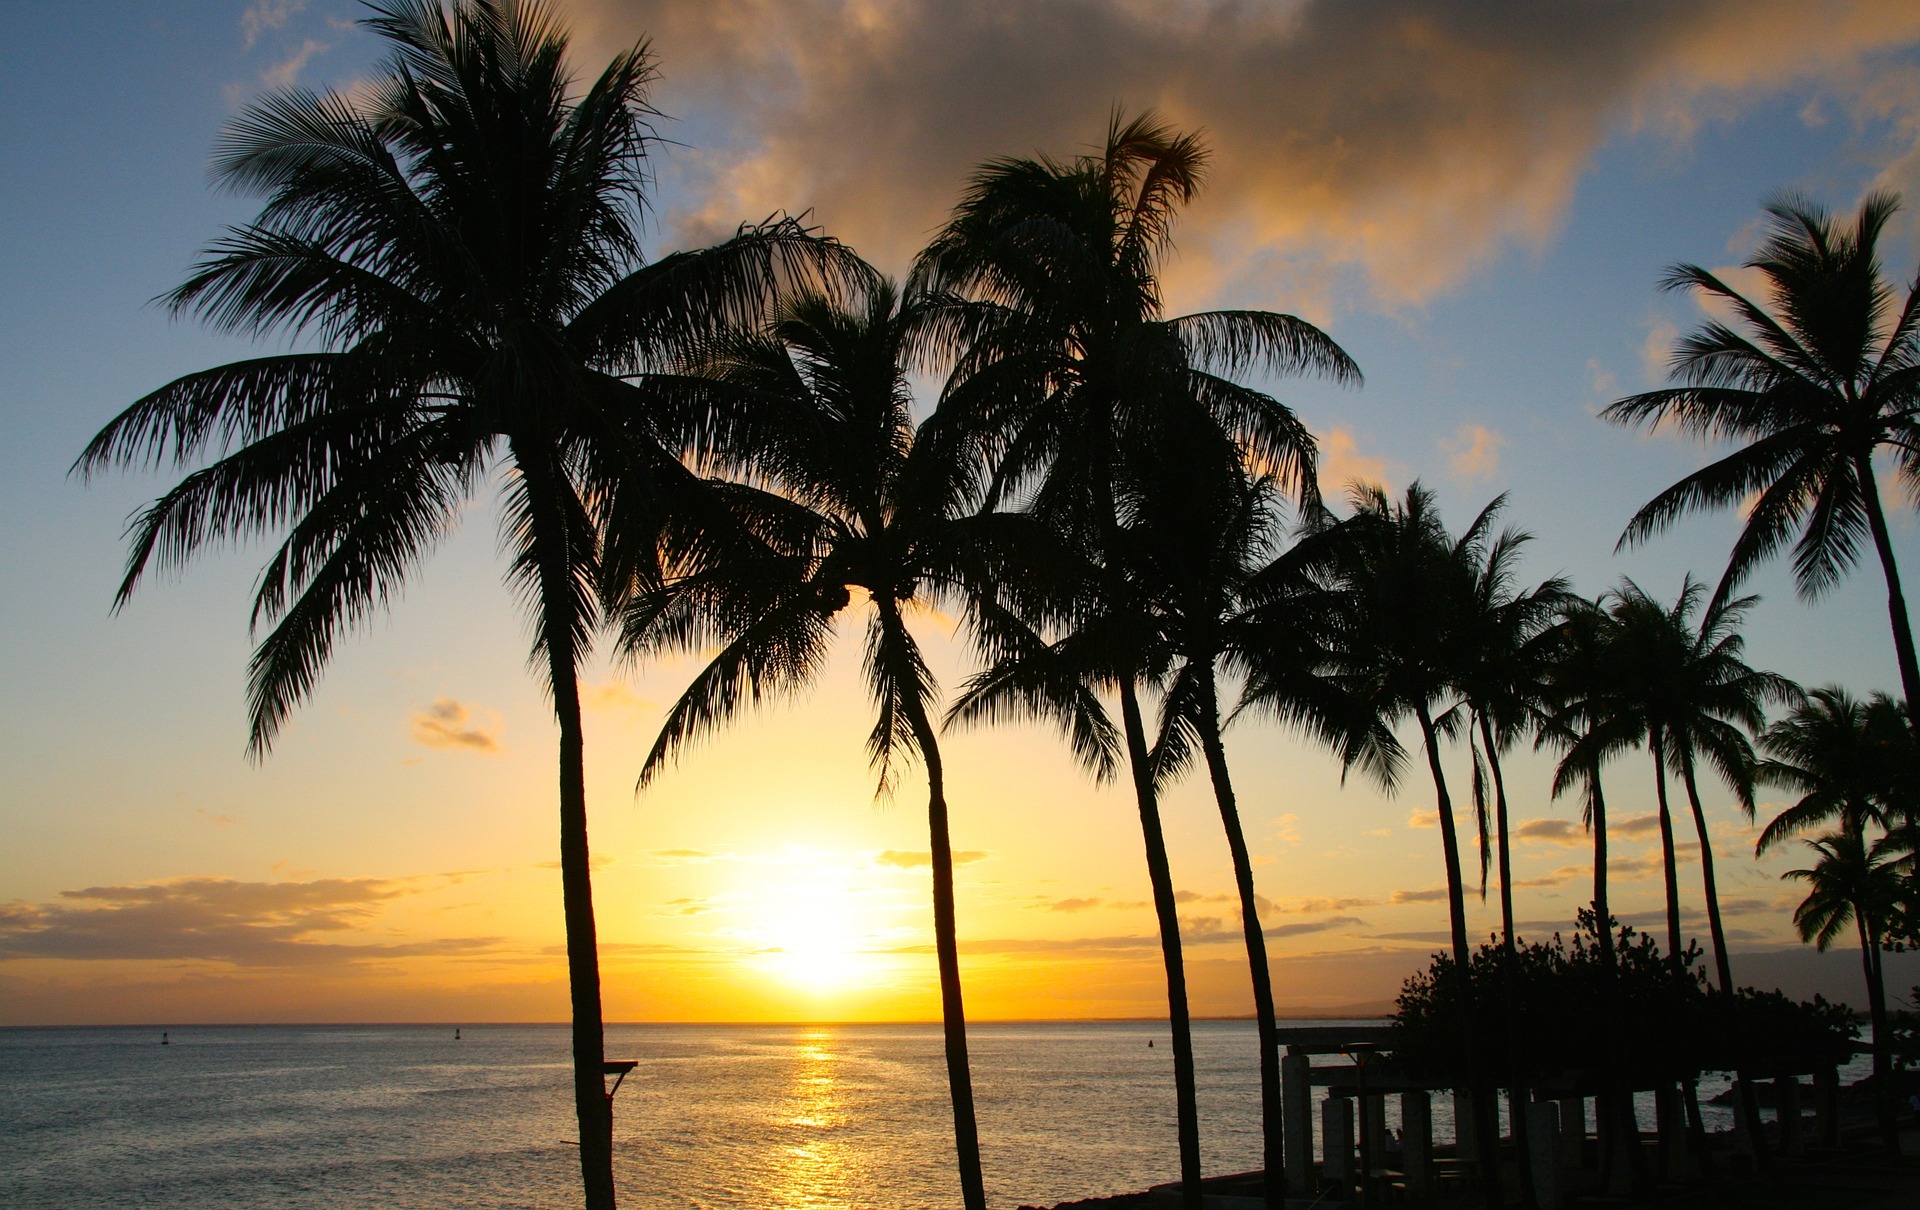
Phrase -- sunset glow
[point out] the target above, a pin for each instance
(1486, 238)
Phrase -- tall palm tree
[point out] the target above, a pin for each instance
(1812, 380)
(1854, 882)
(1574, 662)
(1069, 362)
(1504, 637)
(1407, 585)
(456, 248)
(866, 506)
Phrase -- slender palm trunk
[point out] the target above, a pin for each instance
(1896, 600)
(1517, 1095)
(1597, 820)
(1877, 1012)
(1500, 834)
(1271, 1132)
(1723, 966)
(1449, 841)
(558, 614)
(1486, 1112)
(1656, 744)
(946, 944)
(1160, 874)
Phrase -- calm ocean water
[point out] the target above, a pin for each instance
(755, 1117)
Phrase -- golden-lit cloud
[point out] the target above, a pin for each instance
(1405, 140)
(1426, 895)
(449, 723)
(1473, 453)
(1072, 905)
(920, 859)
(1423, 819)
(252, 924)
(1342, 465)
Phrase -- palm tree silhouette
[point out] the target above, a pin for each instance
(1504, 637)
(457, 242)
(1848, 759)
(1068, 362)
(1854, 882)
(1812, 380)
(1575, 665)
(865, 506)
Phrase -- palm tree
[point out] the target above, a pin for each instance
(1848, 760)
(1573, 658)
(1198, 536)
(1812, 380)
(1504, 635)
(866, 507)
(1407, 585)
(1845, 757)
(1854, 882)
(456, 243)
(1068, 362)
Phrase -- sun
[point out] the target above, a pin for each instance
(815, 930)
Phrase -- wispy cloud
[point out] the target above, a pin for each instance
(1473, 453)
(1425, 895)
(263, 16)
(449, 723)
(286, 73)
(920, 859)
(1072, 905)
(1550, 831)
(218, 920)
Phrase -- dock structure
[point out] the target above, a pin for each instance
(1577, 1141)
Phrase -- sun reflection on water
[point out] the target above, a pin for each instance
(815, 1169)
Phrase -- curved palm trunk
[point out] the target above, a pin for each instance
(1670, 866)
(557, 613)
(1723, 967)
(1896, 600)
(1271, 1132)
(1449, 841)
(1160, 873)
(1877, 1011)
(946, 944)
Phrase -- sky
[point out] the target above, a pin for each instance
(1476, 200)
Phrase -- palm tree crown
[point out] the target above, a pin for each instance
(1818, 376)
(457, 245)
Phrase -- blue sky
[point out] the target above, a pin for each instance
(1477, 209)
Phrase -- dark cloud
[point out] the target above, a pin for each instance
(218, 920)
(1411, 140)
(1551, 831)
(1428, 895)
(1314, 926)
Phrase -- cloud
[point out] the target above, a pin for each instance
(1656, 351)
(1550, 831)
(1342, 464)
(1402, 142)
(1429, 895)
(1072, 905)
(1560, 877)
(614, 697)
(214, 819)
(1600, 380)
(286, 73)
(1423, 819)
(252, 924)
(919, 859)
(1473, 453)
(265, 15)
(449, 724)
(1635, 826)
(1310, 906)
(1313, 926)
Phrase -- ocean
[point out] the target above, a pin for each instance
(772, 1117)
